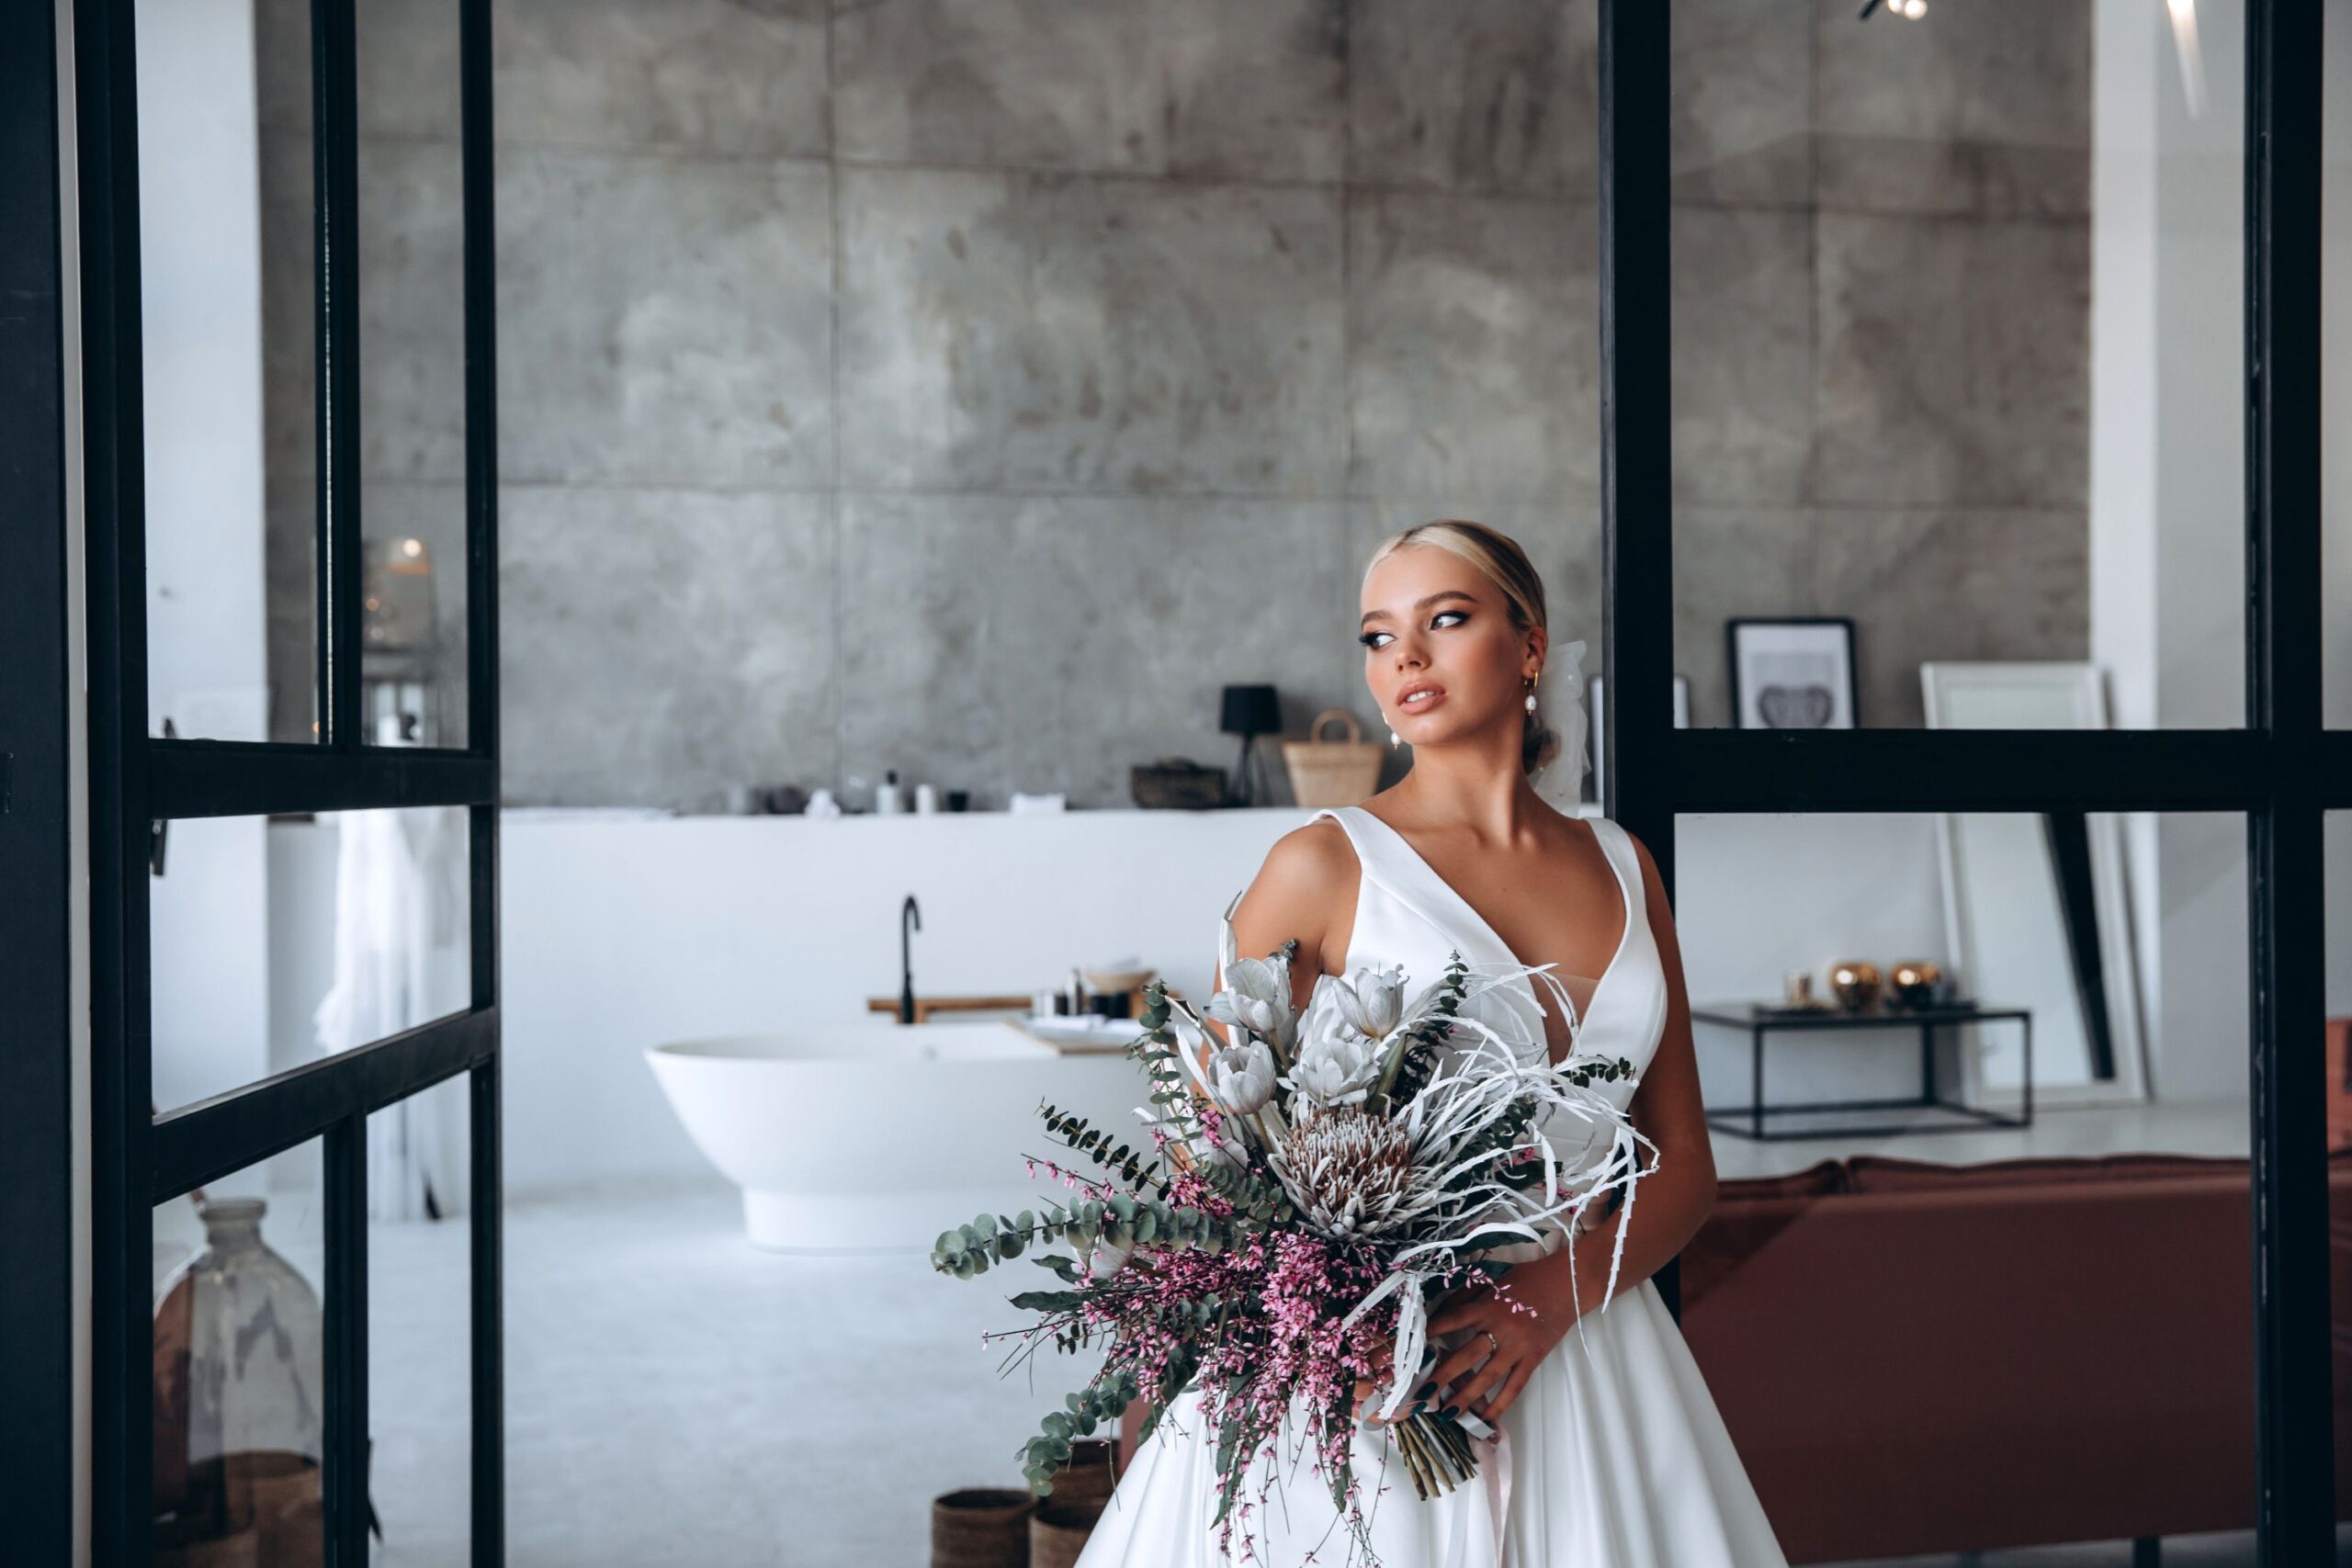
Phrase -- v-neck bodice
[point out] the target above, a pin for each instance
(1407, 914)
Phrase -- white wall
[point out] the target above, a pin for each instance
(619, 934)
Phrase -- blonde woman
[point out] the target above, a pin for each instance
(1616, 1460)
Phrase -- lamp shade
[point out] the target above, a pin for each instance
(1250, 710)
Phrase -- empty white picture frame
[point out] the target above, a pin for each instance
(2003, 915)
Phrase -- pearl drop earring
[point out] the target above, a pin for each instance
(1531, 697)
(1395, 740)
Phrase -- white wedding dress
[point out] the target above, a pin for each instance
(1617, 1459)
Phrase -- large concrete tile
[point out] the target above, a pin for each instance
(1977, 108)
(1733, 561)
(659, 645)
(282, 64)
(1743, 301)
(1968, 585)
(742, 77)
(1196, 88)
(408, 61)
(290, 346)
(1481, 95)
(290, 585)
(663, 319)
(411, 310)
(1048, 332)
(1954, 362)
(1743, 101)
(995, 643)
(1473, 349)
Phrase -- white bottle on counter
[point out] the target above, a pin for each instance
(926, 800)
(887, 800)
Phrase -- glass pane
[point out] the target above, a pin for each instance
(1957, 350)
(239, 1369)
(411, 369)
(276, 940)
(225, 214)
(2084, 1278)
(420, 1326)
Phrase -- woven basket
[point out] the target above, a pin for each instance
(981, 1527)
(1057, 1533)
(1332, 772)
(1089, 1476)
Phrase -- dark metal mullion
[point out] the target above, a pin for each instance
(487, 1193)
(1637, 442)
(39, 1378)
(334, 119)
(488, 1340)
(2293, 1394)
(476, 152)
(345, 1480)
(206, 1141)
(200, 778)
(1970, 770)
(114, 512)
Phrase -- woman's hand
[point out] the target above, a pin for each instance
(1509, 1331)
(1481, 1376)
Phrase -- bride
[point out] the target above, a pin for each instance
(1608, 1453)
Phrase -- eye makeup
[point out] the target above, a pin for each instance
(1365, 637)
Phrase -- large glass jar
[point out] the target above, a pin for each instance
(239, 1374)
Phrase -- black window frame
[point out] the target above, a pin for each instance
(137, 781)
(2283, 770)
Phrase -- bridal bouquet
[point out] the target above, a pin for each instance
(1314, 1183)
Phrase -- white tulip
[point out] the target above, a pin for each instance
(1335, 1070)
(1372, 998)
(1242, 1076)
(1257, 997)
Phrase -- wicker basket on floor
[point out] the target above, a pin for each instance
(1057, 1531)
(981, 1527)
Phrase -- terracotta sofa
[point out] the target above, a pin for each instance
(1915, 1357)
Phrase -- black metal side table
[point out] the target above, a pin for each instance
(1761, 1018)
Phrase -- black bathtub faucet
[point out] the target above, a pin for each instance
(907, 913)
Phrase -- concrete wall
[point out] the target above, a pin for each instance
(973, 388)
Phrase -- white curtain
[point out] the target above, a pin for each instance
(400, 959)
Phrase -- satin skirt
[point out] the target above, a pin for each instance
(1618, 1460)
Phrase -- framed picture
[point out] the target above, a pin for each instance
(1793, 672)
(1592, 698)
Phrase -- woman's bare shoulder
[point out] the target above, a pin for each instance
(1306, 884)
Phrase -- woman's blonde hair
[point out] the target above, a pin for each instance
(1498, 555)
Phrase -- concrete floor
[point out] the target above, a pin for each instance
(674, 1396)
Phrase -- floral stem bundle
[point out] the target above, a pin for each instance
(1315, 1180)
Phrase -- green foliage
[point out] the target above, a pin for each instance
(1099, 1403)
(1413, 1053)
(1123, 1221)
(1120, 1161)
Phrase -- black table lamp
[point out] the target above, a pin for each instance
(1250, 712)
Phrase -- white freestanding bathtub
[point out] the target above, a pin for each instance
(869, 1136)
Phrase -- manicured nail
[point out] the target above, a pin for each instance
(1426, 1390)
(1450, 1410)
